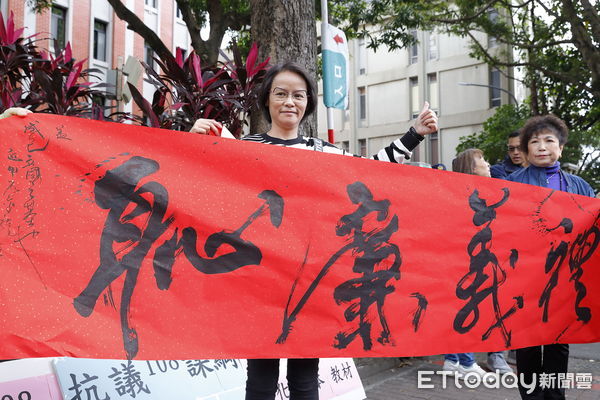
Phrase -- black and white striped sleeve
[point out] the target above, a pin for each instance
(400, 149)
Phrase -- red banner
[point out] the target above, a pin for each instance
(122, 241)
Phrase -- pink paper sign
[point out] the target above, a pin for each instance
(44, 387)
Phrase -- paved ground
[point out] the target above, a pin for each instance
(401, 382)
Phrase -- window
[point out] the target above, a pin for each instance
(432, 92)
(362, 57)
(149, 56)
(152, 3)
(434, 152)
(495, 86)
(362, 101)
(58, 27)
(493, 17)
(432, 48)
(362, 147)
(100, 40)
(413, 51)
(415, 105)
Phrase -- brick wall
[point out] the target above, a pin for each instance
(82, 24)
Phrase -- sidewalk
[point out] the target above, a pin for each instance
(400, 382)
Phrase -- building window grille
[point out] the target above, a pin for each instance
(100, 29)
(362, 147)
(495, 84)
(58, 27)
(415, 105)
(413, 51)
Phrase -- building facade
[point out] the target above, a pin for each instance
(98, 35)
(388, 89)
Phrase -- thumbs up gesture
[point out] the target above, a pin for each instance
(427, 121)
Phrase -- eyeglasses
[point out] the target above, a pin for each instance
(513, 148)
(281, 95)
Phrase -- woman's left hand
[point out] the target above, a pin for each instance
(427, 121)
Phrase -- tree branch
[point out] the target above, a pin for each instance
(489, 59)
(473, 17)
(191, 23)
(138, 26)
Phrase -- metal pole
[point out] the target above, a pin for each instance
(512, 96)
(324, 23)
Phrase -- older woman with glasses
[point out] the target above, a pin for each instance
(542, 141)
(287, 97)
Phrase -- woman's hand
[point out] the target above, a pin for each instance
(427, 121)
(18, 111)
(207, 127)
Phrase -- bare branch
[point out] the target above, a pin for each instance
(138, 26)
(473, 17)
(191, 22)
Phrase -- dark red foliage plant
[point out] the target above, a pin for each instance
(42, 82)
(185, 91)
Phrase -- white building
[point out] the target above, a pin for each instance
(388, 89)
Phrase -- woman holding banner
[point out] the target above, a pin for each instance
(542, 141)
(287, 97)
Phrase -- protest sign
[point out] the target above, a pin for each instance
(119, 241)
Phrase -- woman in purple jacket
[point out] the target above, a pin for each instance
(542, 140)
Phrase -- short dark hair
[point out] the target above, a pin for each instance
(465, 161)
(514, 134)
(535, 125)
(265, 89)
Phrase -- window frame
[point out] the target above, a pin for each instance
(64, 16)
(413, 83)
(95, 49)
(495, 93)
(413, 50)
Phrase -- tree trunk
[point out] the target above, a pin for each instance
(208, 50)
(285, 31)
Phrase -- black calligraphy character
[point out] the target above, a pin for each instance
(578, 252)
(582, 249)
(60, 134)
(554, 261)
(246, 253)
(347, 370)
(87, 384)
(372, 249)
(13, 156)
(475, 285)
(128, 380)
(420, 310)
(335, 374)
(197, 367)
(283, 391)
(37, 140)
(222, 363)
(115, 192)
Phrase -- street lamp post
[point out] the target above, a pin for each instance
(512, 96)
